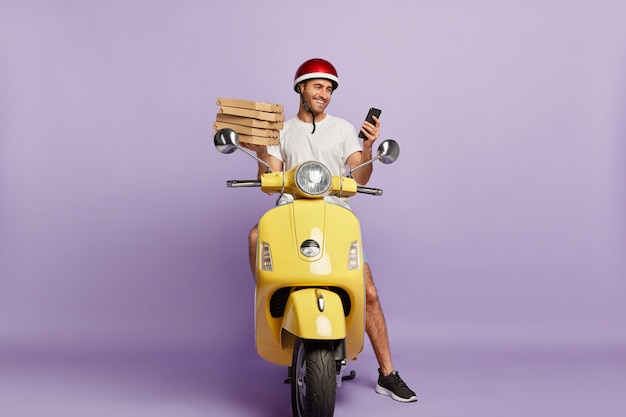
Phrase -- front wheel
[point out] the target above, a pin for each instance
(313, 379)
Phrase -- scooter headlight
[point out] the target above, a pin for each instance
(313, 179)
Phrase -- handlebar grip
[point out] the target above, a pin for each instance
(243, 183)
(368, 190)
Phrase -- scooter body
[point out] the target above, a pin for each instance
(310, 285)
(309, 296)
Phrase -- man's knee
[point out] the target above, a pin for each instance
(371, 294)
(253, 235)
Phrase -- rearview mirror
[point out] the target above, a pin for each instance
(226, 141)
(388, 152)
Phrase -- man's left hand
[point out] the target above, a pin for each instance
(371, 131)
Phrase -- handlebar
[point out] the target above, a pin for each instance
(257, 183)
(243, 183)
(368, 190)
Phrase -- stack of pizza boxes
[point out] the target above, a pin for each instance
(256, 122)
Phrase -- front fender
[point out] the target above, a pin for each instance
(303, 318)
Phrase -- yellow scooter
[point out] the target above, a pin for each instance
(310, 289)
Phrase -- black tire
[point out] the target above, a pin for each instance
(313, 379)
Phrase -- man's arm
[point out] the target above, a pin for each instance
(363, 174)
(276, 165)
(262, 154)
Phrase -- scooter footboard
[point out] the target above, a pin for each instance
(313, 313)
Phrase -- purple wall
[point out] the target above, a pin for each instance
(504, 211)
(502, 219)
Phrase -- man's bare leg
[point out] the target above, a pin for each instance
(375, 325)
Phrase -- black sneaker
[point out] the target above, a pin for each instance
(393, 386)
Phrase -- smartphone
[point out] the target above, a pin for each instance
(372, 112)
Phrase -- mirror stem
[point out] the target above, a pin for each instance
(363, 164)
(267, 166)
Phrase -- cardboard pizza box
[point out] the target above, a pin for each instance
(245, 130)
(250, 105)
(254, 114)
(246, 121)
(257, 140)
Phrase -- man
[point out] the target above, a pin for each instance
(315, 135)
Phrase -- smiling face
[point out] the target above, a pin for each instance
(316, 93)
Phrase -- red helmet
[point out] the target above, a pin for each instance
(316, 68)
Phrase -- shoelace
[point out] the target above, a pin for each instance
(397, 380)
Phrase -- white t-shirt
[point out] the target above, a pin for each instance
(334, 140)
